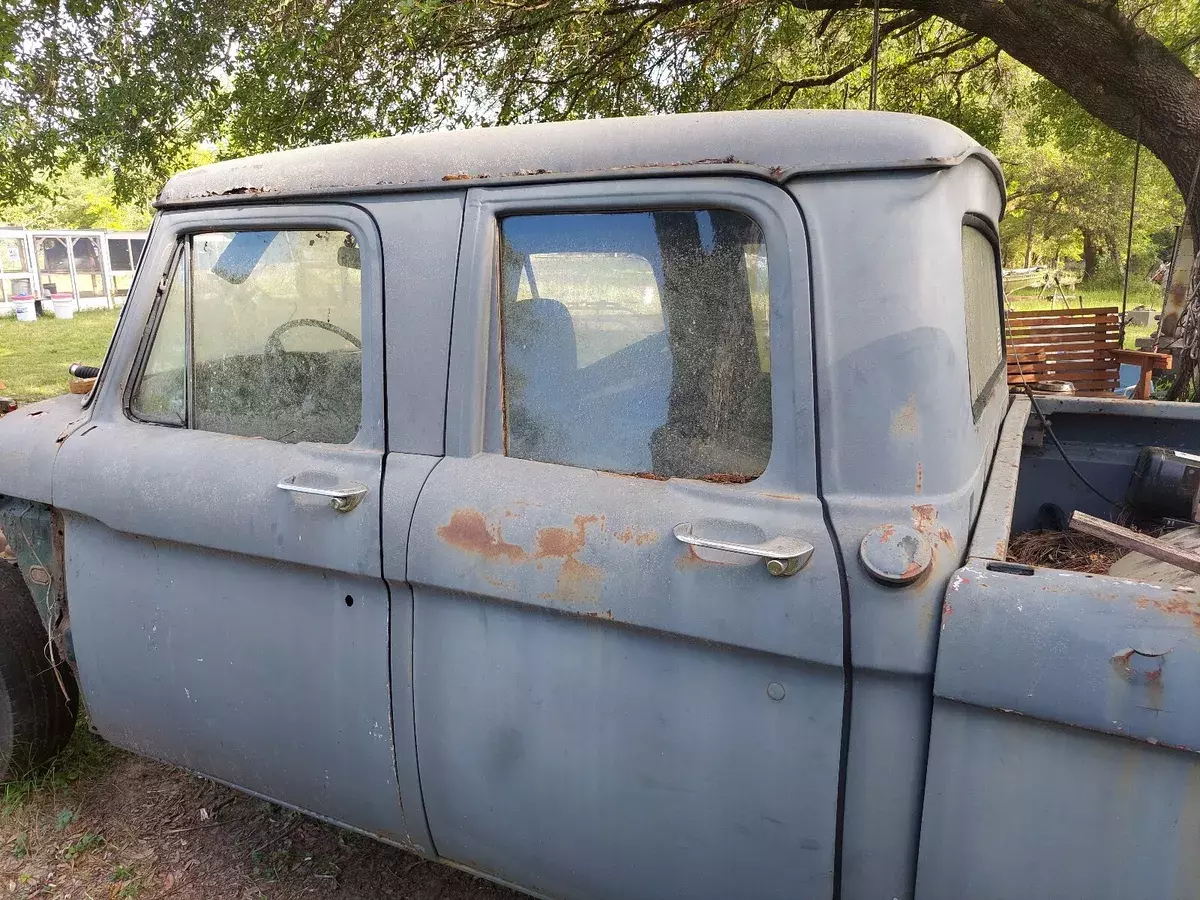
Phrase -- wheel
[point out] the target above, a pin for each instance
(36, 720)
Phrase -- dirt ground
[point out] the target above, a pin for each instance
(106, 825)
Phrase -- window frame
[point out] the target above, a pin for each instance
(985, 227)
(475, 396)
(581, 331)
(179, 257)
(180, 227)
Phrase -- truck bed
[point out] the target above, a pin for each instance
(1102, 437)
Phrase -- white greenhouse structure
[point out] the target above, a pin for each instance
(91, 268)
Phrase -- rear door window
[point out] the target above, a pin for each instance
(637, 342)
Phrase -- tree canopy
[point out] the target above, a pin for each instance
(1058, 88)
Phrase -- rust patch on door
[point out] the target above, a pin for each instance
(577, 583)
(468, 530)
(561, 541)
(637, 538)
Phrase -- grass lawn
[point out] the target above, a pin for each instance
(1140, 293)
(34, 355)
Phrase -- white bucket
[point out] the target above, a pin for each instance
(64, 309)
(25, 310)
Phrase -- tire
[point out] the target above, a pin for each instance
(36, 720)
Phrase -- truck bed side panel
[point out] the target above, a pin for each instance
(1063, 754)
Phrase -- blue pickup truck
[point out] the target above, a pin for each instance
(614, 509)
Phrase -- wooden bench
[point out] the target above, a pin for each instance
(1081, 346)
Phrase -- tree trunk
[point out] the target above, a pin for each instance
(1029, 242)
(1113, 250)
(1091, 255)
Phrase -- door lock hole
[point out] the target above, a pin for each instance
(349, 600)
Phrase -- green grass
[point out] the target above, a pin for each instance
(1144, 294)
(34, 355)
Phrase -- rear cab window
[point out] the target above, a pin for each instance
(983, 296)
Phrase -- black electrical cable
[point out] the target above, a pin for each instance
(1050, 431)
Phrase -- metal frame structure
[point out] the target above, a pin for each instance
(19, 240)
(34, 243)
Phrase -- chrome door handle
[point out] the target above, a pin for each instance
(343, 499)
(783, 555)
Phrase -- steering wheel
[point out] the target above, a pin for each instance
(275, 345)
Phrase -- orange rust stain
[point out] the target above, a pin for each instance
(912, 571)
(920, 478)
(906, 421)
(638, 538)
(557, 542)
(560, 541)
(888, 532)
(1176, 606)
(577, 583)
(923, 517)
(947, 612)
(468, 531)
(771, 496)
(946, 537)
(727, 478)
(692, 560)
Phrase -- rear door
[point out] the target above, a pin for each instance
(222, 513)
(628, 622)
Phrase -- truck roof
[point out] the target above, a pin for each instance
(772, 144)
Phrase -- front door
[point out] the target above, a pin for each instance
(628, 622)
(222, 513)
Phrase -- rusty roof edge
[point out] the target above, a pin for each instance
(252, 193)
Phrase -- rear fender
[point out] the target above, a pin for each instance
(1065, 749)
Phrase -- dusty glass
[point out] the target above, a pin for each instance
(637, 342)
(161, 392)
(981, 288)
(277, 335)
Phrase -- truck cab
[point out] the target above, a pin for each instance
(577, 504)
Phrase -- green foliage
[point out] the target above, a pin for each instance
(76, 200)
(86, 843)
(1070, 180)
(102, 99)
